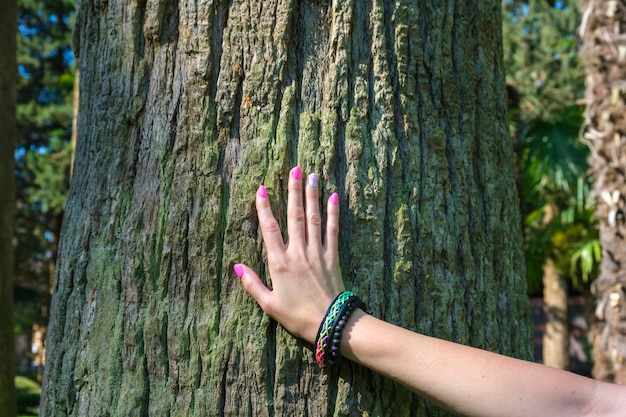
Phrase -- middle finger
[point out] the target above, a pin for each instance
(313, 218)
(296, 226)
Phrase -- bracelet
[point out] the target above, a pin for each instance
(329, 333)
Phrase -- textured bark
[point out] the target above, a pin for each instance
(186, 108)
(8, 136)
(604, 55)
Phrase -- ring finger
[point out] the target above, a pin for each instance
(313, 217)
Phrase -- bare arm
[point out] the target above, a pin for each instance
(306, 277)
(476, 382)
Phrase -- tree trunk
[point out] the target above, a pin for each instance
(556, 334)
(186, 108)
(8, 136)
(604, 55)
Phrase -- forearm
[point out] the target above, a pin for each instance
(306, 277)
(471, 381)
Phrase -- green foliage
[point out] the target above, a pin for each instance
(540, 55)
(586, 256)
(28, 394)
(546, 81)
(43, 153)
(556, 191)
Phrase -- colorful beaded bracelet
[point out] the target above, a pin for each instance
(329, 333)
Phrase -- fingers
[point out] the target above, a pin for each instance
(270, 229)
(313, 218)
(253, 285)
(304, 227)
(296, 226)
(332, 224)
(307, 260)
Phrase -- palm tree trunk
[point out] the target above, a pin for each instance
(602, 30)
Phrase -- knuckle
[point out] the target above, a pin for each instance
(270, 225)
(315, 219)
(277, 264)
(333, 229)
(248, 285)
(297, 214)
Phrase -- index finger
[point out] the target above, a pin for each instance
(269, 226)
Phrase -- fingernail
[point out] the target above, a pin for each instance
(334, 198)
(262, 191)
(297, 173)
(238, 270)
(313, 180)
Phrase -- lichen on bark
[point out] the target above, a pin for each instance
(399, 106)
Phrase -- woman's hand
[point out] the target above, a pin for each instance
(305, 272)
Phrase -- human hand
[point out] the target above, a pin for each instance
(305, 272)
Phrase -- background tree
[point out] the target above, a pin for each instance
(602, 27)
(540, 50)
(185, 108)
(44, 103)
(8, 75)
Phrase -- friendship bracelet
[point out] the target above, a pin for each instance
(326, 326)
(329, 333)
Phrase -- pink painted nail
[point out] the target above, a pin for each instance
(297, 173)
(262, 192)
(238, 270)
(334, 198)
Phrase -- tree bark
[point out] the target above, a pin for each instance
(8, 137)
(186, 108)
(603, 54)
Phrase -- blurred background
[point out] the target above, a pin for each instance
(545, 85)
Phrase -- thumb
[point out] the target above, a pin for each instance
(253, 284)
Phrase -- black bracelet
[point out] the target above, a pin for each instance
(329, 333)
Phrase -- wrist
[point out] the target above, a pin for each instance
(330, 333)
(348, 336)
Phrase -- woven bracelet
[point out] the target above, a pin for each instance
(329, 333)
